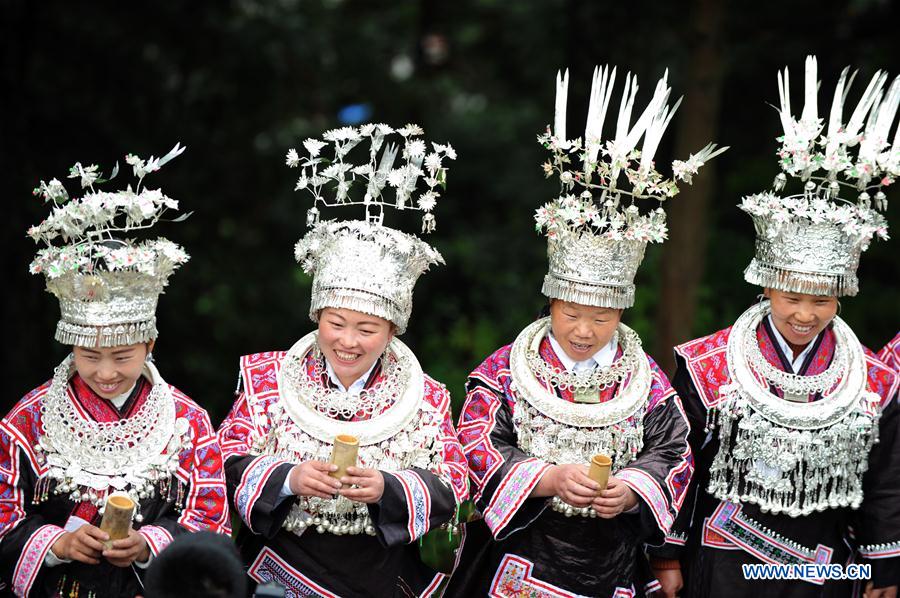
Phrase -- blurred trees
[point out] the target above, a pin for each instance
(241, 82)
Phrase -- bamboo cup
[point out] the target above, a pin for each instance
(116, 519)
(344, 454)
(599, 470)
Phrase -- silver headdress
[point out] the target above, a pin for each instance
(107, 286)
(597, 237)
(364, 265)
(811, 242)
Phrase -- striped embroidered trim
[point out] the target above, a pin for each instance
(251, 485)
(513, 578)
(157, 538)
(432, 587)
(714, 539)
(652, 493)
(418, 502)
(512, 491)
(880, 551)
(33, 556)
(486, 380)
(763, 543)
(21, 441)
(676, 538)
(679, 494)
(270, 567)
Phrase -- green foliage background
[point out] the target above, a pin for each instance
(240, 82)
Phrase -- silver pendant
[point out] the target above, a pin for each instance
(591, 395)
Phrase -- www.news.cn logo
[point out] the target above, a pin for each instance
(807, 572)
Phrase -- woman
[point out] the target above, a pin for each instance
(106, 422)
(306, 527)
(792, 420)
(577, 384)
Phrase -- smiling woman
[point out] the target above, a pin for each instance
(111, 372)
(352, 342)
(577, 386)
(107, 422)
(353, 380)
(794, 423)
(800, 317)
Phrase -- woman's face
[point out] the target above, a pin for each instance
(111, 371)
(352, 341)
(582, 330)
(800, 317)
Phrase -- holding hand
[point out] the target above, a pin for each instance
(369, 485)
(616, 498)
(84, 545)
(311, 478)
(670, 581)
(570, 483)
(873, 592)
(127, 550)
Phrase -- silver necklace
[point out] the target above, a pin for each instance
(557, 431)
(341, 404)
(299, 395)
(87, 457)
(406, 434)
(789, 457)
(796, 384)
(593, 380)
(631, 396)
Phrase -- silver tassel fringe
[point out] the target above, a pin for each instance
(792, 281)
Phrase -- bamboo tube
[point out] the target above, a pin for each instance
(117, 517)
(344, 454)
(599, 470)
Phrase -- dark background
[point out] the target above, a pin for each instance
(241, 82)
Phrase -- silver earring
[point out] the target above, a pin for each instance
(839, 308)
(149, 358)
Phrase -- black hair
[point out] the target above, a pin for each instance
(545, 311)
(199, 565)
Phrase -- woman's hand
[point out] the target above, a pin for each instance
(670, 581)
(873, 592)
(128, 550)
(570, 483)
(616, 498)
(84, 545)
(369, 485)
(311, 478)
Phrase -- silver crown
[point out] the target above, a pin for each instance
(597, 236)
(107, 288)
(592, 270)
(811, 242)
(364, 265)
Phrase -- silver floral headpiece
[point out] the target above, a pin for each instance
(811, 242)
(597, 236)
(107, 286)
(361, 264)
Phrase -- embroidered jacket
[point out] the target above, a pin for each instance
(415, 501)
(33, 515)
(722, 535)
(538, 551)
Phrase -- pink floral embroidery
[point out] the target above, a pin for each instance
(32, 557)
(514, 488)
